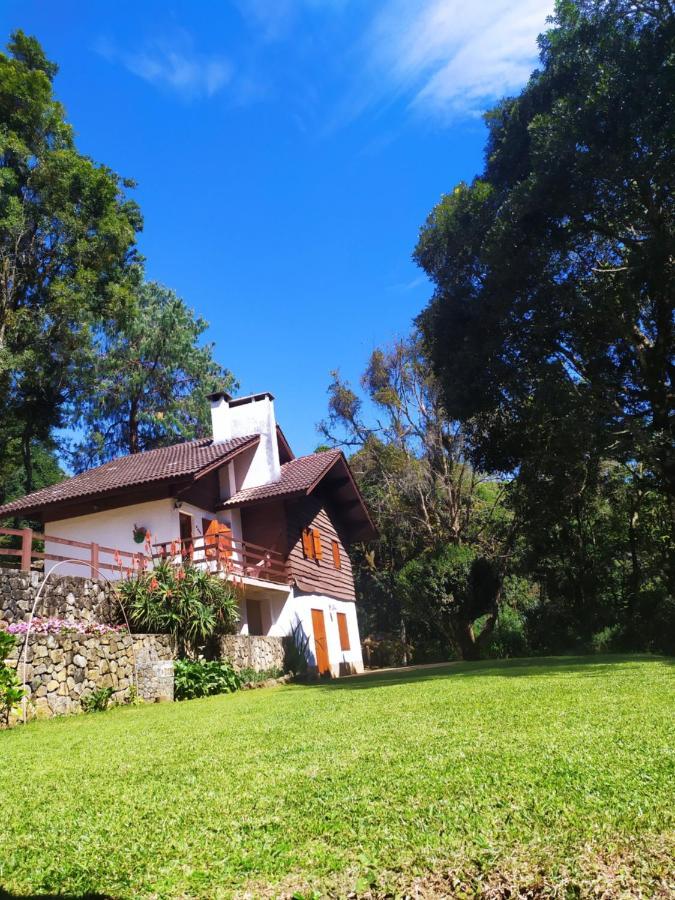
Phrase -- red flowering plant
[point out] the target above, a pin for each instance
(190, 603)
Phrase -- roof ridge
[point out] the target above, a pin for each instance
(316, 453)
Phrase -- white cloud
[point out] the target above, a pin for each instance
(173, 63)
(454, 57)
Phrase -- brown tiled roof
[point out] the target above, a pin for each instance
(297, 477)
(180, 462)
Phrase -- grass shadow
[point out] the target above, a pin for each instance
(589, 666)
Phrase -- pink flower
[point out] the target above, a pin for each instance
(154, 584)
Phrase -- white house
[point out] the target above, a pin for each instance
(239, 502)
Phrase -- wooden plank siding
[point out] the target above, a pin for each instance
(317, 575)
(265, 525)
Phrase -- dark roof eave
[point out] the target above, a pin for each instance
(120, 490)
(359, 496)
(367, 532)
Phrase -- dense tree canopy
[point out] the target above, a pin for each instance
(67, 255)
(551, 326)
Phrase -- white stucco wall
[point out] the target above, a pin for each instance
(114, 528)
(300, 606)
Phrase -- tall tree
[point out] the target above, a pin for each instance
(551, 325)
(441, 524)
(67, 254)
(147, 382)
(554, 270)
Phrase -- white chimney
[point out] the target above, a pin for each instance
(243, 416)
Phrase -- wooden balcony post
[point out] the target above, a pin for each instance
(26, 548)
(94, 560)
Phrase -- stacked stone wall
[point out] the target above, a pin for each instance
(252, 651)
(66, 597)
(62, 669)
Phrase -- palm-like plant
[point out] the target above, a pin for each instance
(190, 603)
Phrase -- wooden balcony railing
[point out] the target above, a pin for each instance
(221, 553)
(226, 554)
(97, 558)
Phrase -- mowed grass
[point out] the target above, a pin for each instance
(548, 774)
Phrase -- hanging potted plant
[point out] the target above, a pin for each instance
(140, 534)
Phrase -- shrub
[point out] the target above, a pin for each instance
(190, 603)
(508, 638)
(11, 693)
(252, 676)
(608, 639)
(97, 701)
(202, 678)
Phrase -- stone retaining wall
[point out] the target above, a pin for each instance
(252, 651)
(67, 597)
(63, 668)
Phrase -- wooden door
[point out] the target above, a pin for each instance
(185, 521)
(217, 540)
(254, 617)
(320, 641)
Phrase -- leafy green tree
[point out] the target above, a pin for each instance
(46, 468)
(553, 270)
(67, 254)
(146, 386)
(551, 324)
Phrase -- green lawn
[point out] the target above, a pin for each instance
(547, 774)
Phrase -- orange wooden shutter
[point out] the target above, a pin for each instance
(224, 541)
(210, 528)
(316, 540)
(307, 543)
(337, 562)
(344, 631)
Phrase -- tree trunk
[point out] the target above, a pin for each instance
(466, 640)
(133, 427)
(404, 642)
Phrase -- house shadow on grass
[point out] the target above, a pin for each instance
(8, 895)
(543, 666)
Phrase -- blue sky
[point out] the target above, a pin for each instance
(287, 153)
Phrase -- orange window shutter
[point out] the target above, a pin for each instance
(337, 562)
(343, 630)
(307, 543)
(316, 540)
(224, 541)
(210, 537)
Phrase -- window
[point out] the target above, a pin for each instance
(311, 543)
(337, 562)
(344, 631)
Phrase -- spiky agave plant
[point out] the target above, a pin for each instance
(188, 602)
